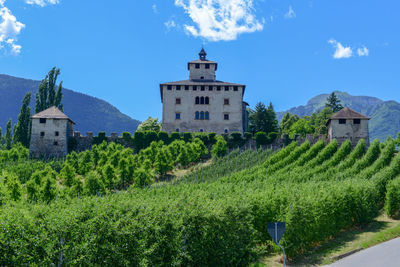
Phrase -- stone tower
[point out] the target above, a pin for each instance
(348, 124)
(202, 103)
(51, 129)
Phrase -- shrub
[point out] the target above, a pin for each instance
(272, 137)
(236, 140)
(392, 203)
(174, 136)
(99, 138)
(138, 141)
(220, 148)
(248, 136)
(187, 137)
(163, 136)
(261, 138)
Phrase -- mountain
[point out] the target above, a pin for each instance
(385, 115)
(89, 113)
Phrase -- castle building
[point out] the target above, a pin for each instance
(202, 103)
(348, 124)
(51, 129)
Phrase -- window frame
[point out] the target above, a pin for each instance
(226, 88)
(169, 87)
(178, 101)
(356, 121)
(342, 121)
(226, 116)
(226, 101)
(197, 65)
(42, 134)
(42, 120)
(56, 133)
(207, 65)
(177, 115)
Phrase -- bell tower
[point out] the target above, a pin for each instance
(202, 68)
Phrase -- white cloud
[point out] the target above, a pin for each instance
(154, 7)
(42, 3)
(170, 24)
(290, 14)
(220, 20)
(10, 28)
(363, 51)
(340, 50)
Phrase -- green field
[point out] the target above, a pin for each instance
(215, 215)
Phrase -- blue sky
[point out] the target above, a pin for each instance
(284, 51)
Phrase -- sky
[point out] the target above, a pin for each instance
(284, 51)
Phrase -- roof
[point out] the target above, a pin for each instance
(348, 113)
(200, 82)
(51, 113)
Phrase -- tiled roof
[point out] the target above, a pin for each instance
(348, 113)
(201, 82)
(51, 113)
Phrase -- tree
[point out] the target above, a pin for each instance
(261, 138)
(263, 119)
(49, 189)
(93, 184)
(333, 102)
(23, 126)
(272, 122)
(67, 175)
(151, 124)
(14, 187)
(8, 135)
(48, 95)
(163, 163)
(287, 121)
(220, 148)
(108, 176)
(143, 177)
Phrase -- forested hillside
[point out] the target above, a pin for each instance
(107, 206)
(385, 115)
(89, 113)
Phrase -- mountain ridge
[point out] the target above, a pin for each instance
(385, 115)
(90, 113)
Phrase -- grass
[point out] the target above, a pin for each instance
(380, 230)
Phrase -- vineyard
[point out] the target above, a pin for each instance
(216, 215)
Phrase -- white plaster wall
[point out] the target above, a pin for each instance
(216, 108)
(44, 146)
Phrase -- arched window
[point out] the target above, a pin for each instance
(197, 116)
(202, 100)
(197, 100)
(207, 115)
(207, 100)
(202, 115)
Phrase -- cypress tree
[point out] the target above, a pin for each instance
(48, 95)
(8, 135)
(22, 130)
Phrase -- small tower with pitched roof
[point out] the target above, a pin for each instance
(348, 124)
(50, 132)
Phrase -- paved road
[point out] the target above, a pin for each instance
(383, 255)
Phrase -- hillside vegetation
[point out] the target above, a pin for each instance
(89, 113)
(214, 216)
(384, 114)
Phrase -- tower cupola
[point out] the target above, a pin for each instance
(202, 68)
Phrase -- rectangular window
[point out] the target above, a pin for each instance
(235, 88)
(177, 101)
(186, 87)
(226, 88)
(177, 116)
(178, 87)
(42, 134)
(194, 87)
(342, 121)
(57, 133)
(218, 88)
(203, 88)
(197, 66)
(42, 120)
(210, 88)
(55, 143)
(169, 87)
(226, 101)
(226, 117)
(207, 66)
(356, 121)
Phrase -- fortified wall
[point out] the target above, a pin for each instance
(79, 142)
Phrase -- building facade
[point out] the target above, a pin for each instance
(50, 132)
(202, 103)
(348, 124)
